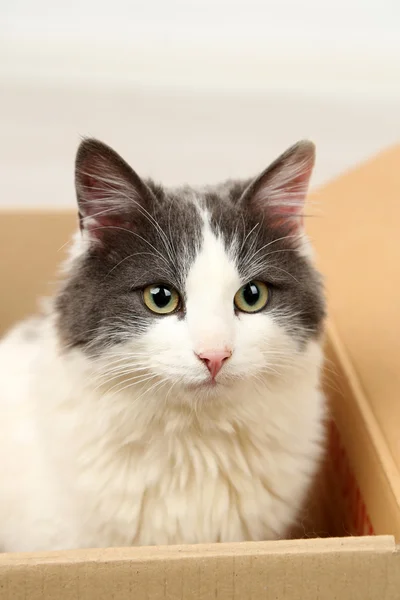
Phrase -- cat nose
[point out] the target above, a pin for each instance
(214, 359)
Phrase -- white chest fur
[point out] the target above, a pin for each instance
(200, 480)
(85, 469)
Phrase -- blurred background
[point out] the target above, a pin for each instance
(192, 90)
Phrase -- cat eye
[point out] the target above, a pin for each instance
(161, 299)
(252, 297)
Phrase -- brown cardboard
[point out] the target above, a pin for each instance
(359, 254)
(32, 244)
(358, 491)
(334, 569)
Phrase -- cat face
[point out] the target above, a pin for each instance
(192, 288)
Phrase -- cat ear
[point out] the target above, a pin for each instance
(282, 188)
(108, 191)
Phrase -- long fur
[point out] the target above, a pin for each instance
(121, 440)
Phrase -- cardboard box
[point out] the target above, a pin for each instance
(358, 491)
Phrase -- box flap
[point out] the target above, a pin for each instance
(356, 239)
(32, 244)
(353, 568)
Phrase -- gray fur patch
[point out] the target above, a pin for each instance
(104, 294)
(269, 252)
(157, 243)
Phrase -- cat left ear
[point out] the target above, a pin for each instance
(282, 188)
(109, 192)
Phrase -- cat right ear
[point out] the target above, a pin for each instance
(109, 192)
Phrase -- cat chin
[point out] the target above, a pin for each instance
(209, 384)
(220, 390)
(207, 389)
(186, 392)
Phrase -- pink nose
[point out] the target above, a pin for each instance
(214, 359)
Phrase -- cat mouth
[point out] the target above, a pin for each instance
(207, 384)
(210, 384)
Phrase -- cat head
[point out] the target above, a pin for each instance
(191, 288)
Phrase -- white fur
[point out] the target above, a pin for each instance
(91, 457)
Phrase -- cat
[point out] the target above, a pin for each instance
(170, 391)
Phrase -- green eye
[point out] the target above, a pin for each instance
(161, 299)
(252, 297)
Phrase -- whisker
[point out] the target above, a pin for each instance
(124, 229)
(134, 382)
(127, 258)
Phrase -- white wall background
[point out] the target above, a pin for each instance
(192, 90)
(292, 43)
